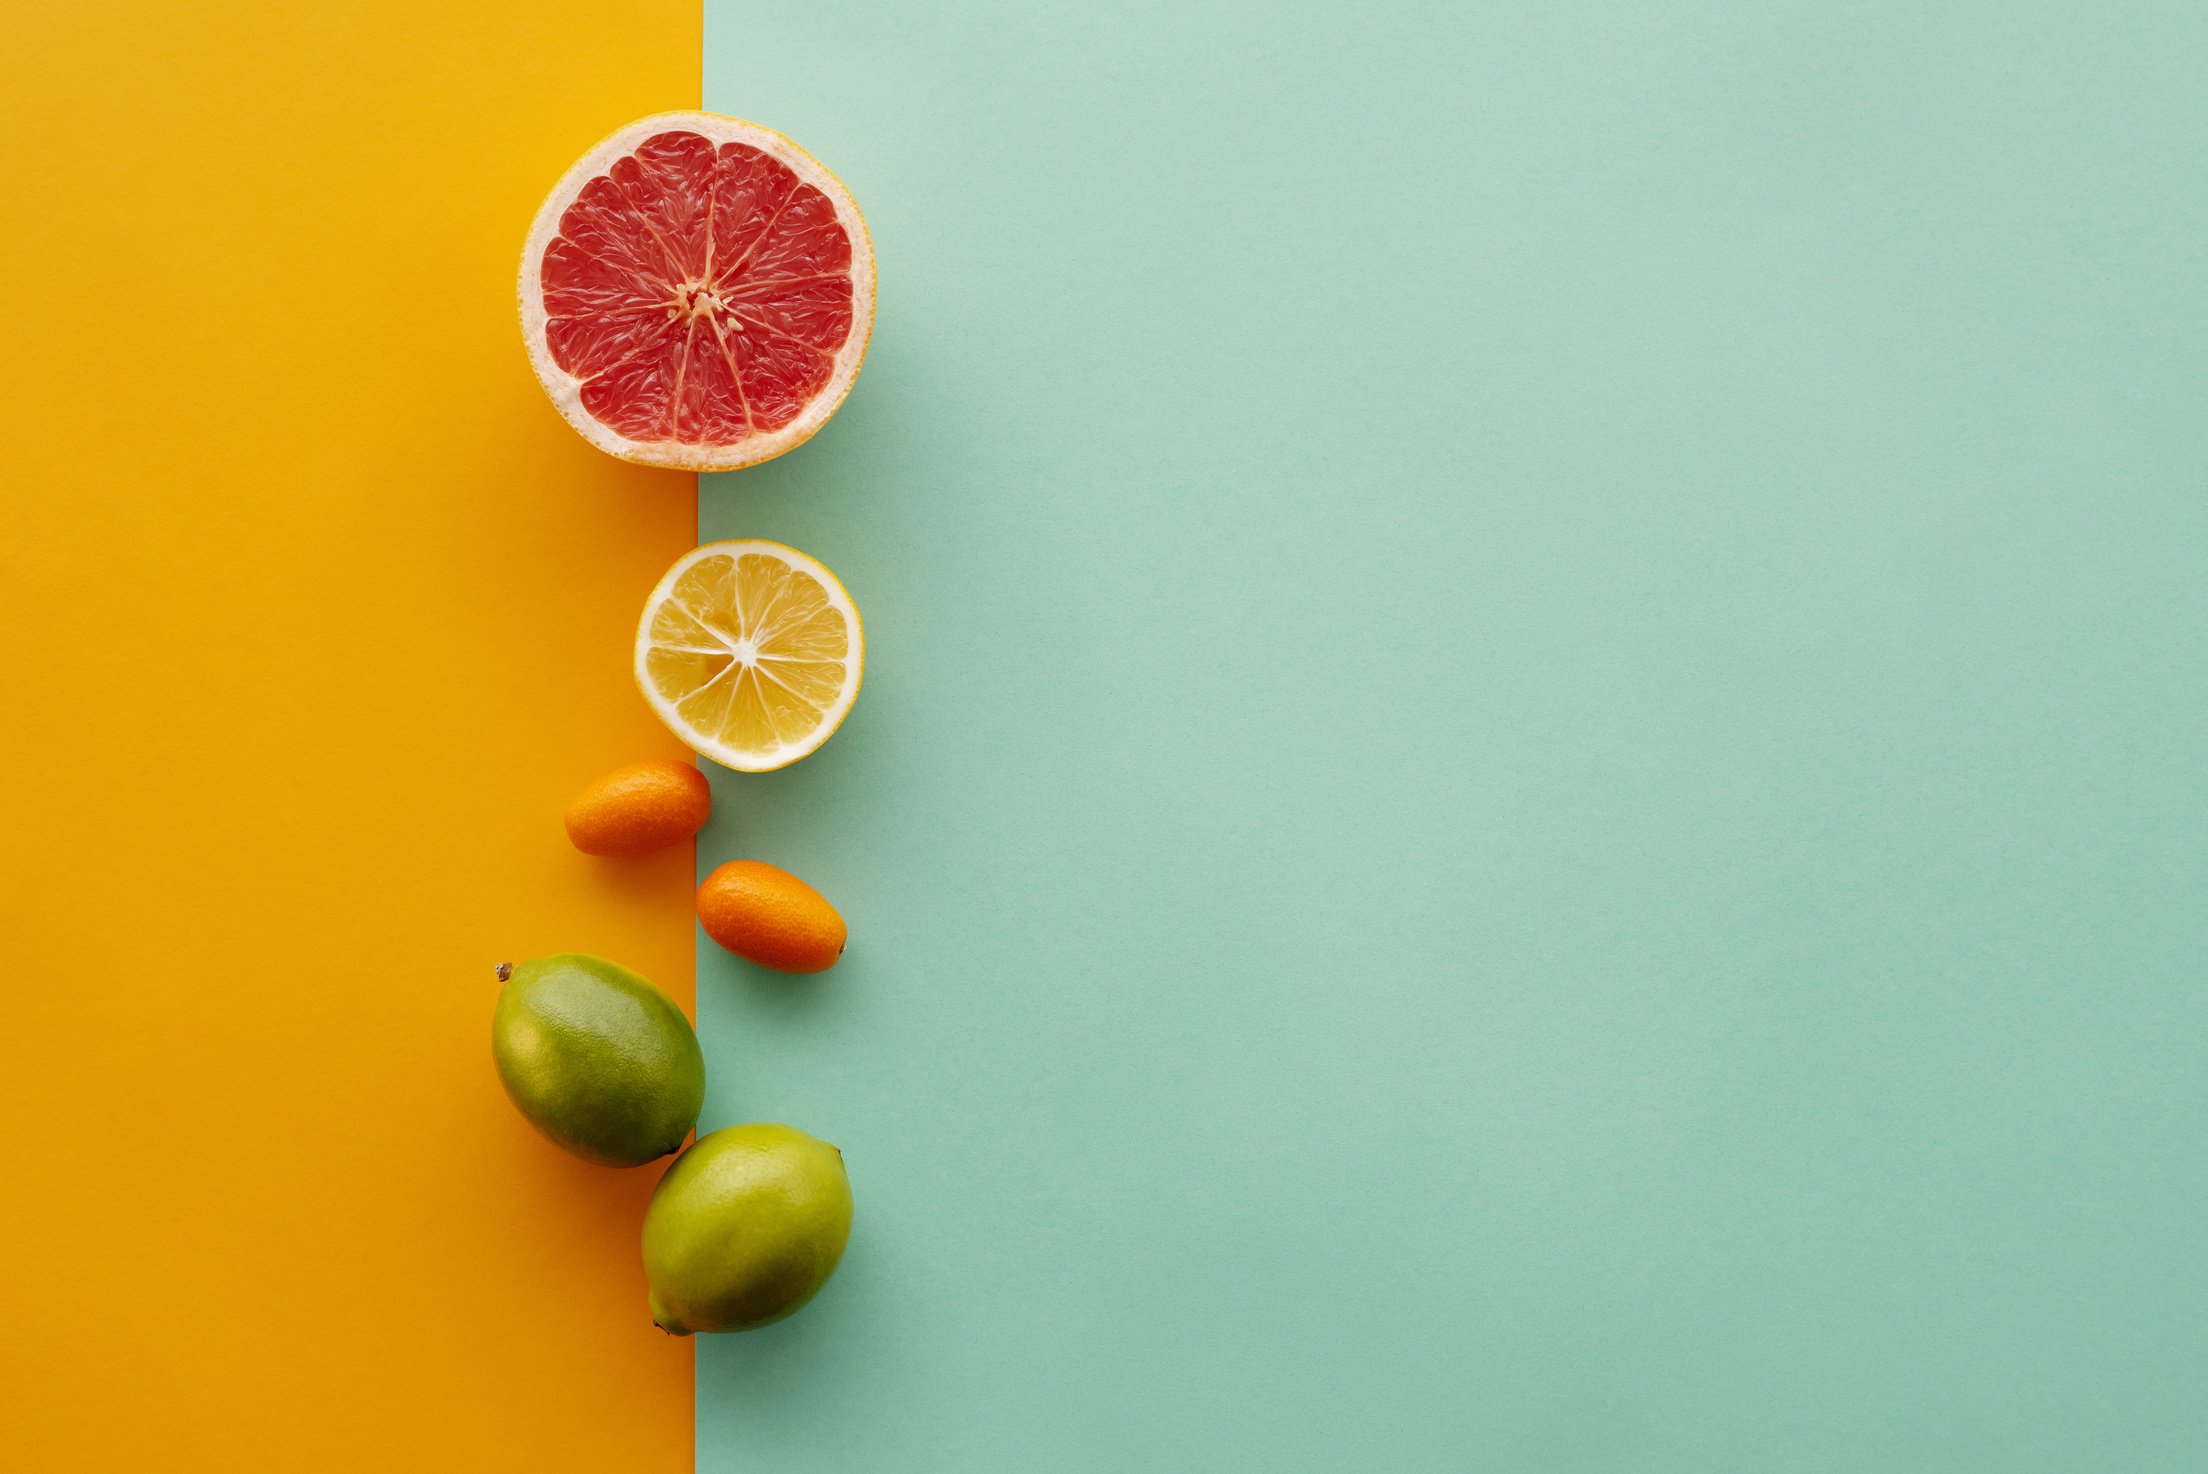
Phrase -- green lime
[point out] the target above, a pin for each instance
(598, 1059)
(744, 1228)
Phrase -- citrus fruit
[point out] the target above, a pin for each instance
(744, 1229)
(598, 1060)
(769, 916)
(640, 808)
(750, 652)
(697, 292)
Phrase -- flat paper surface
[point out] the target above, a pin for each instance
(314, 614)
(1529, 788)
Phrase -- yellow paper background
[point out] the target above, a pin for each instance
(315, 613)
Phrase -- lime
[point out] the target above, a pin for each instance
(744, 1229)
(599, 1060)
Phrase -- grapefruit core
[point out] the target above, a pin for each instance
(697, 292)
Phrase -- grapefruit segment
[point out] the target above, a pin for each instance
(697, 292)
(815, 311)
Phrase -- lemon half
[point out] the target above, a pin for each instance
(750, 652)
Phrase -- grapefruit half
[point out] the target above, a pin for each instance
(697, 292)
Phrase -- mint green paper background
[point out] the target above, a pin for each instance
(1530, 792)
